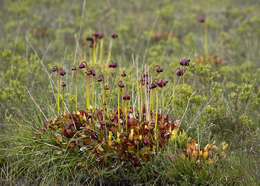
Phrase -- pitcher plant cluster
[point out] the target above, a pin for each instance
(133, 130)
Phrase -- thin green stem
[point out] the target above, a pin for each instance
(118, 109)
(101, 51)
(206, 41)
(76, 91)
(87, 92)
(63, 100)
(58, 93)
(110, 50)
(156, 118)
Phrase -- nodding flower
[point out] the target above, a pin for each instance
(100, 78)
(101, 36)
(112, 65)
(54, 69)
(123, 74)
(73, 68)
(88, 72)
(96, 35)
(152, 86)
(62, 72)
(126, 97)
(180, 72)
(162, 83)
(159, 69)
(114, 35)
(63, 84)
(89, 38)
(121, 84)
(185, 62)
(82, 65)
(202, 19)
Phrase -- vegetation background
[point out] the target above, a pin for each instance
(223, 99)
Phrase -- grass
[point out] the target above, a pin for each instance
(216, 99)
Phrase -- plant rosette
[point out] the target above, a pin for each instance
(97, 132)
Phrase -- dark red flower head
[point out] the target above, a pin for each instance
(96, 35)
(202, 19)
(123, 74)
(126, 97)
(185, 62)
(82, 65)
(73, 68)
(101, 36)
(180, 72)
(89, 38)
(88, 72)
(62, 72)
(121, 84)
(162, 83)
(63, 84)
(100, 78)
(54, 69)
(114, 35)
(152, 86)
(112, 65)
(159, 69)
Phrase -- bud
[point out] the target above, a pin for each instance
(101, 36)
(159, 69)
(112, 65)
(62, 72)
(89, 38)
(126, 97)
(73, 68)
(123, 74)
(121, 84)
(202, 19)
(88, 72)
(63, 84)
(82, 65)
(54, 69)
(152, 86)
(180, 72)
(114, 35)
